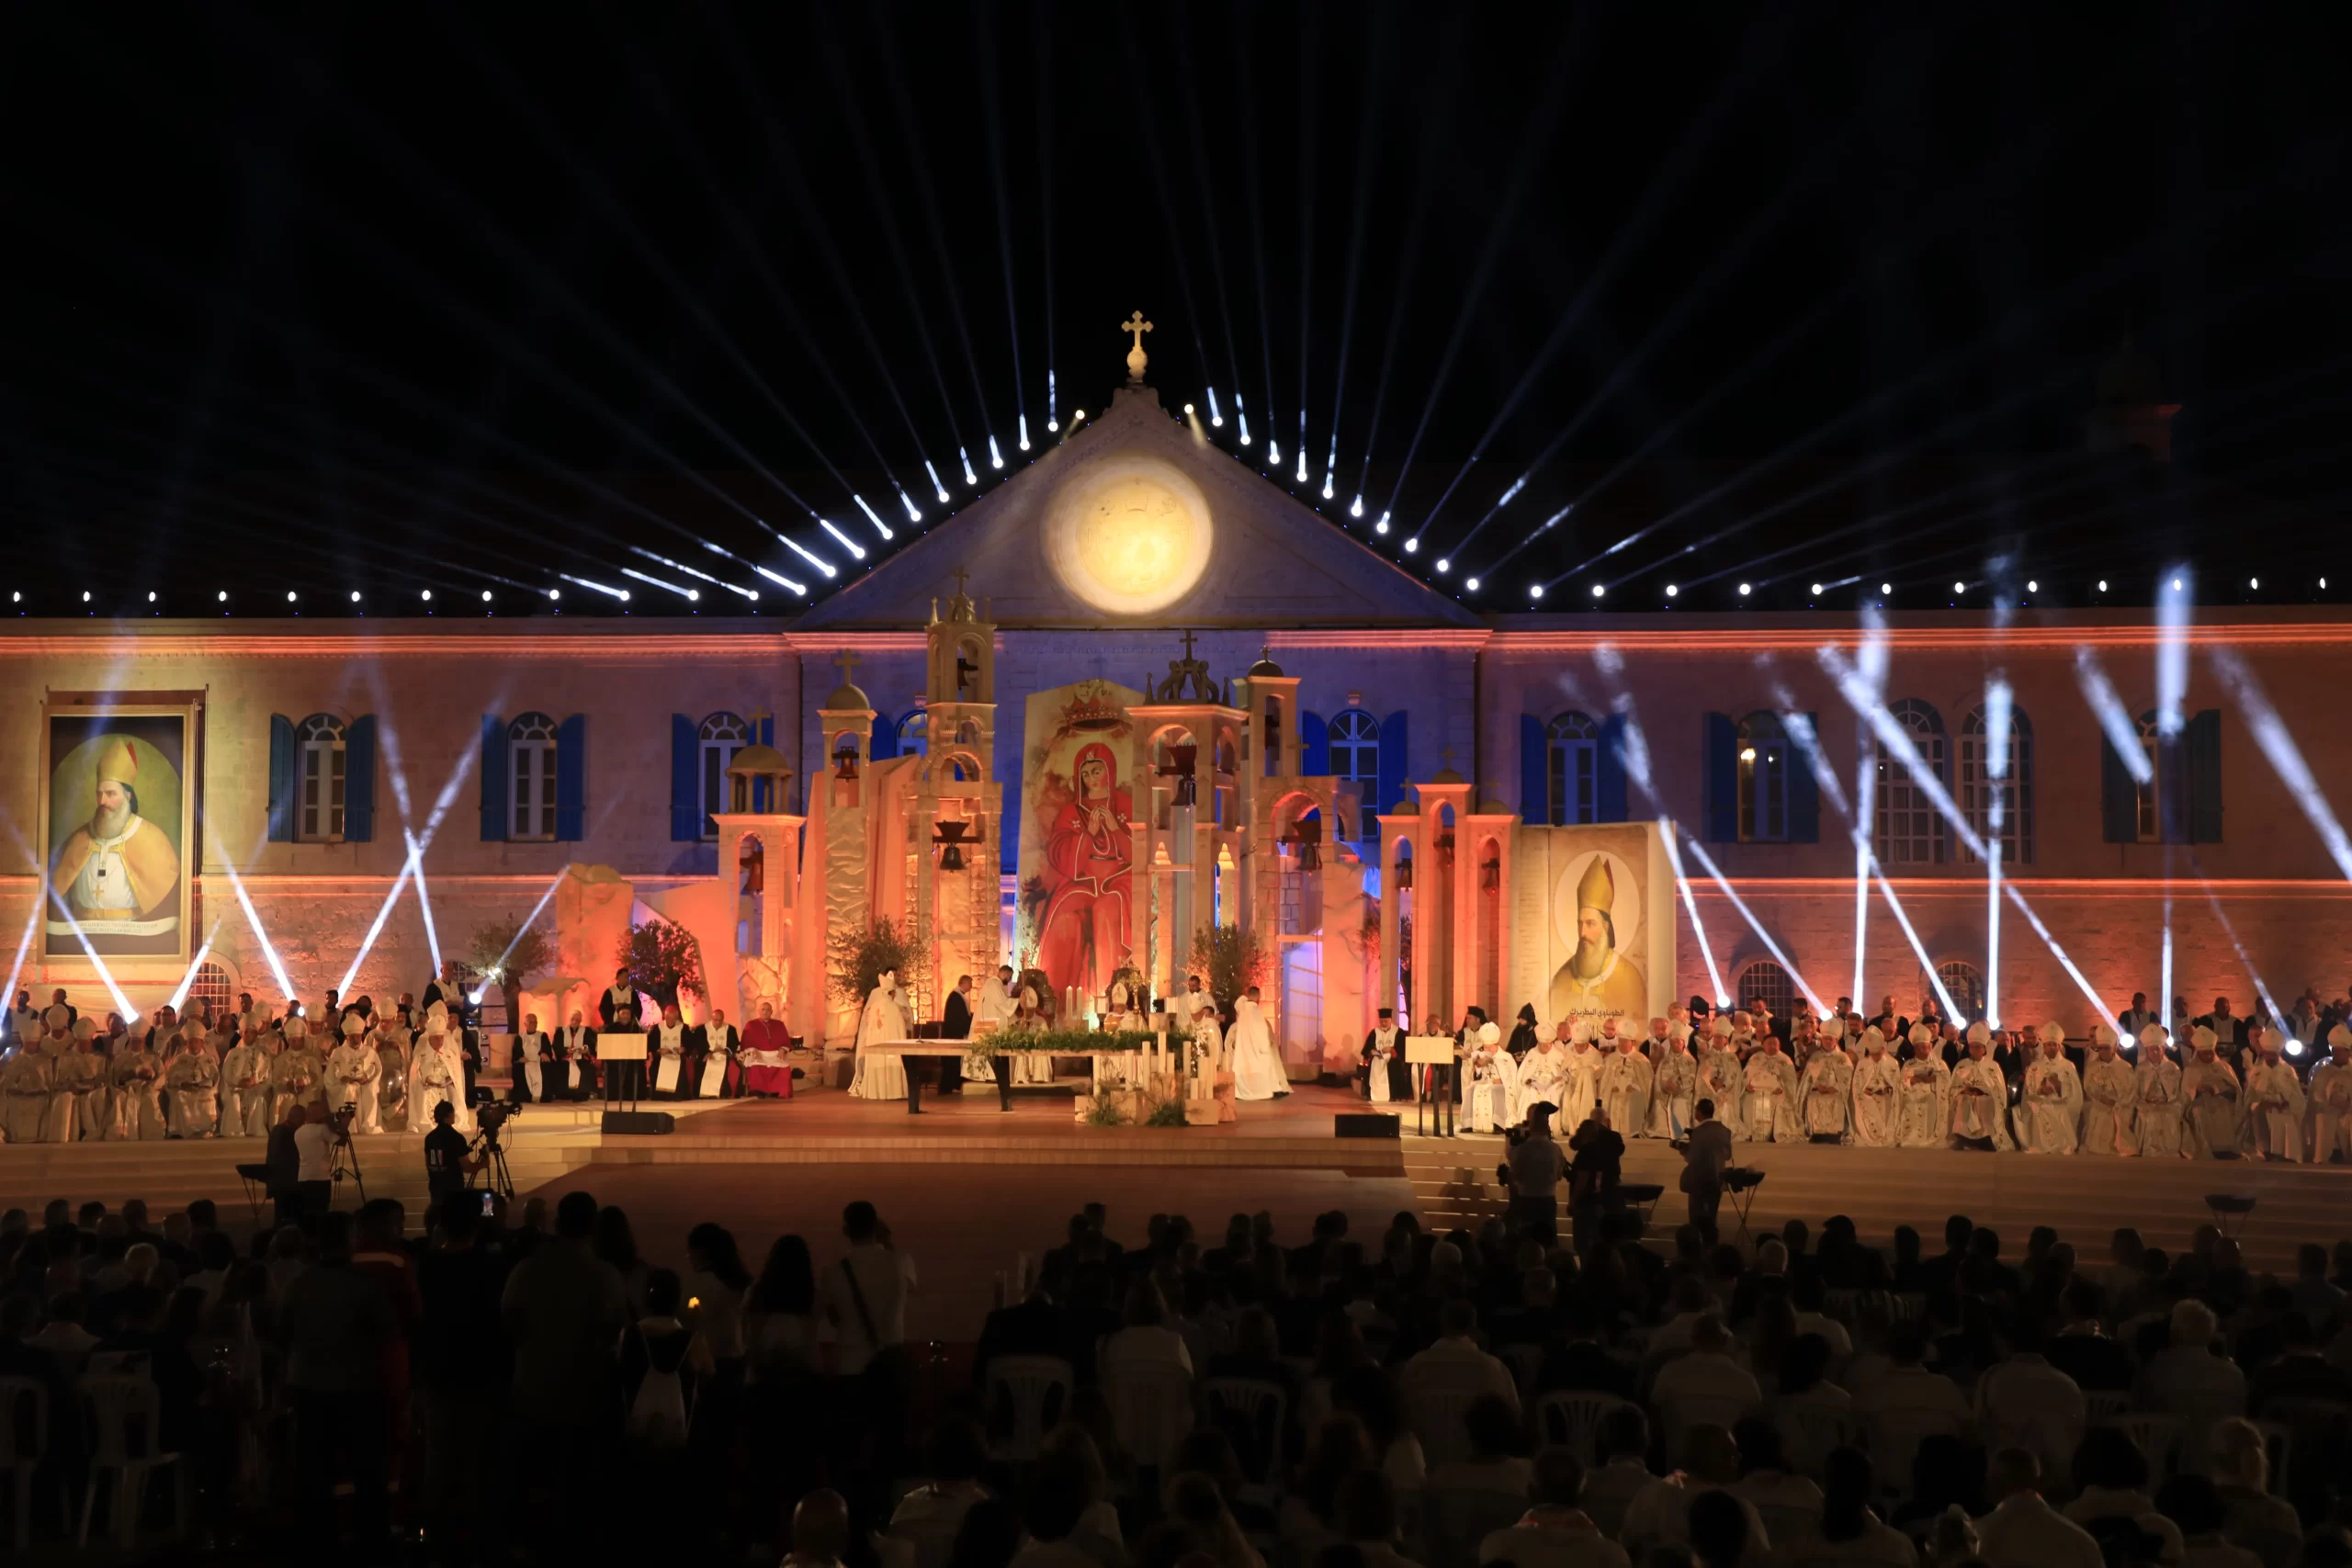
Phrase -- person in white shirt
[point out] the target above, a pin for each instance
(1554, 1532)
(1622, 1440)
(929, 1517)
(2027, 1402)
(1706, 1384)
(1661, 1514)
(1144, 1338)
(1907, 1401)
(2023, 1530)
(2113, 1475)
(2188, 1379)
(1849, 1530)
(1446, 1376)
(863, 1297)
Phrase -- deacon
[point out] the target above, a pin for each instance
(2050, 1103)
(1828, 1085)
(1980, 1096)
(1626, 1082)
(2274, 1098)
(244, 1084)
(1674, 1082)
(1773, 1116)
(2211, 1089)
(193, 1075)
(1878, 1094)
(1722, 1077)
(720, 1044)
(529, 1062)
(355, 1069)
(1384, 1074)
(2331, 1102)
(578, 1049)
(2108, 1093)
(2156, 1099)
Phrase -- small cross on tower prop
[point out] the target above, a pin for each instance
(846, 661)
(1135, 357)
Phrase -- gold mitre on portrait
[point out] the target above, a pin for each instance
(1094, 709)
(118, 761)
(1597, 888)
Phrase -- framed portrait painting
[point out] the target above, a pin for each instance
(119, 775)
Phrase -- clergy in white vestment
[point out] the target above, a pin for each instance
(1625, 1080)
(1258, 1071)
(353, 1072)
(1722, 1077)
(992, 1002)
(531, 1067)
(885, 1019)
(443, 1039)
(2049, 1101)
(1383, 1058)
(2274, 1098)
(80, 1073)
(2214, 1098)
(1583, 1086)
(192, 1077)
(24, 1092)
(1488, 1074)
(63, 1120)
(137, 1076)
(1877, 1093)
(1980, 1096)
(1673, 1081)
(1825, 1088)
(2330, 1099)
(1542, 1077)
(1773, 1114)
(2108, 1093)
(2157, 1116)
(665, 1055)
(430, 1083)
(244, 1089)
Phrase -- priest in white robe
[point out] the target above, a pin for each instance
(1722, 1077)
(353, 1072)
(1583, 1086)
(2109, 1095)
(885, 1019)
(430, 1084)
(137, 1075)
(1258, 1071)
(1674, 1083)
(1773, 1115)
(1980, 1096)
(192, 1079)
(23, 1090)
(443, 1039)
(1925, 1112)
(1877, 1093)
(244, 1089)
(2274, 1098)
(1542, 1078)
(1827, 1086)
(2157, 1114)
(2049, 1101)
(2214, 1098)
(1626, 1078)
(1490, 1076)
(2330, 1100)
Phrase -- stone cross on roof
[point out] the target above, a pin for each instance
(1136, 359)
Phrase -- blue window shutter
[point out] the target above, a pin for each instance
(885, 744)
(761, 788)
(2204, 748)
(360, 780)
(1394, 749)
(493, 779)
(1804, 791)
(1609, 805)
(1314, 745)
(1534, 777)
(2119, 798)
(572, 779)
(281, 779)
(685, 799)
(1720, 776)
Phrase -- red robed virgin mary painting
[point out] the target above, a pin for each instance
(1076, 845)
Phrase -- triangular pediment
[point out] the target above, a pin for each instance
(1102, 531)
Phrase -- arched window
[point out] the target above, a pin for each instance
(914, 733)
(319, 815)
(1966, 984)
(1768, 981)
(1354, 736)
(1991, 769)
(213, 985)
(530, 744)
(2151, 813)
(1572, 769)
(1763, 780)
(721, 736)
(1910, 830)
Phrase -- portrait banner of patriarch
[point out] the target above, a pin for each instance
(1076, 844)
(118, 811)
(1594, 936)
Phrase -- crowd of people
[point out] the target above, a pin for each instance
(197, 1071)
(1458, 1400)
(2221, 1087)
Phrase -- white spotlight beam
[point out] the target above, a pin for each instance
(2269, 1002)
(2114, 719)
(252, 918)
(1690, 906)
(412, 864)
(179, 992)
(679, 589)
(24, 945)
(1997, 704)
(800, 588)
(857, 551)
(527, 922)
(820, 562)
(605, 588)
(1706, 864)
(424, 899)
(2098, 1007)
(2285, 757)
(375, 928)
(2173, 601)
(106, 976)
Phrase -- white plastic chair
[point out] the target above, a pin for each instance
(1151, 1407)
(1253, 1413)
(24, 1406)
(1573, 1416)
(125, 1418)
(1027, 1395)
(2157, 1437)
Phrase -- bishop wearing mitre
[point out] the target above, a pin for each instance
(118, 870)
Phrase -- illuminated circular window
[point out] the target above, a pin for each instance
(1129, 535)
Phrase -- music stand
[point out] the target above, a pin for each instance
(2227, 1206)
(255, 1177)
(1741, 1182)
(1641, 1197)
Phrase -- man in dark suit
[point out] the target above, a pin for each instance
(955, 1024)
(1703, 1160)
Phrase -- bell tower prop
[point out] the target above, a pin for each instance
(956, 812)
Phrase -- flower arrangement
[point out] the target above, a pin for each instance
(1057, 1042)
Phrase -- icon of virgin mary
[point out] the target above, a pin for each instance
(1082, 933)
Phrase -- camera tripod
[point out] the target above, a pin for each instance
(496, 1176)
(347, 1155)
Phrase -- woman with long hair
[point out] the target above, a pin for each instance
(615, 1243)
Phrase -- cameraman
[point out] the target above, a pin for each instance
(445, 1165)
(314, 1144)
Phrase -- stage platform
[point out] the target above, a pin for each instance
(1015, 1177)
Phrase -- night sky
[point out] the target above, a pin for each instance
(462, 298)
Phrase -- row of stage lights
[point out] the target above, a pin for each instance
(1960, 589)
